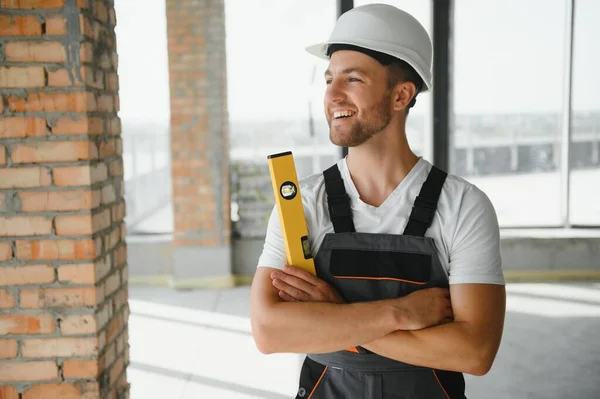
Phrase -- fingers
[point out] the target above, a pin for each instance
(303, 286)
(290, 290)
(287, 297)
(449, 313)
(301, 274)
(443, 292)
(291, 278)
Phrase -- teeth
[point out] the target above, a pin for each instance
(341, 114)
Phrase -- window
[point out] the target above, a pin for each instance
(508, 99)
(275, 98)
(143, 68)
(585, 123)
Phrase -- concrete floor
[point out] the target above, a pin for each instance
(197, 344)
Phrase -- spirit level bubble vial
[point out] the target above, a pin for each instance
(291, 212)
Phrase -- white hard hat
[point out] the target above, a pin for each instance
(386, 29)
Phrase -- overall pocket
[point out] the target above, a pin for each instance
(312, 376)
(423, 383)
(365, 275)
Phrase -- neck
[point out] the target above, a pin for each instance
(378, 166)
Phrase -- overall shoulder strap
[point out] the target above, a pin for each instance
(338, 201)
(426, 203)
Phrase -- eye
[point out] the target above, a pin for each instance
(354, 80)
(328, 81)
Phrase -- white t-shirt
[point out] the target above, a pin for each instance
(464, 228)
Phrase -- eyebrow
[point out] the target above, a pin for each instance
(348, 71)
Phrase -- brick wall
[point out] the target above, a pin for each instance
(199, 133)
(63, 271)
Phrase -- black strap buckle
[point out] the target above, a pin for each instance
(422, 214)
(338, 201)
(340, 209)
(335, 187)
(425, 205)
(421, 202)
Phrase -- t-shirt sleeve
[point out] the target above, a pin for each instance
(273, 253)
(475, 251)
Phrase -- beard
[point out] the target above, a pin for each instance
(373, 121)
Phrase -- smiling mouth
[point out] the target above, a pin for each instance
(343, 114)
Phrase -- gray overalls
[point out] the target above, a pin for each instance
(368, 267)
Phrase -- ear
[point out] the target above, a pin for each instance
(403, 94)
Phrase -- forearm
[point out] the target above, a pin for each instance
(452, 346)
(319, 327)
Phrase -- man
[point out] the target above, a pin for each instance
(409, 292)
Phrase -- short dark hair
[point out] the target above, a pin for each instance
(398, 70)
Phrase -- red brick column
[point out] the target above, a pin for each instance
(63, 271)
(199, 142)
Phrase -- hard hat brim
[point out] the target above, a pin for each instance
(320, 50)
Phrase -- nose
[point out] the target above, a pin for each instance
(334, 92)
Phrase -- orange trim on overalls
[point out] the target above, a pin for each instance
(318, 382)
(441, 386)
(382, 278)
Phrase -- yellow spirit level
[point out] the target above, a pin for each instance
(291, 212)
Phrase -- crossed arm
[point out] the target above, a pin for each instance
(293, 311)
(468, 344)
